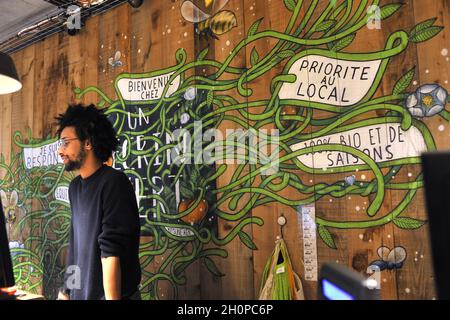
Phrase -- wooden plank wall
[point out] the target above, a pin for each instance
(148, 38)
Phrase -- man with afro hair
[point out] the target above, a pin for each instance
(103, 256)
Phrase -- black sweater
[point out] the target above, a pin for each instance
(105, 223)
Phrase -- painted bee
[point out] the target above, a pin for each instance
(115, 61)
(10, 205)
(212, 24)
(390, 259)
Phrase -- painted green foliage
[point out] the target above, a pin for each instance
(207, 98)
(39, 230)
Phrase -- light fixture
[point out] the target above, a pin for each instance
(88, 3)
(135, 3)
(9, 80)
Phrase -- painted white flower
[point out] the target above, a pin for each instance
(427, 101)
(184, 118)
(15, 245)
(350, 180)
(9, 205)
(190, 94)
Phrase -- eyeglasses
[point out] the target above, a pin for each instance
(64, 142)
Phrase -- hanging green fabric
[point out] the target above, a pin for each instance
(279, 281)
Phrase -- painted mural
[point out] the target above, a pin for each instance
(166, 121)
(38, 230)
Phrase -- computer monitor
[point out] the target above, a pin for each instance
(338, 282)
(6, 269)
(436, 175)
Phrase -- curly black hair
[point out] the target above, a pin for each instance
(90, 123)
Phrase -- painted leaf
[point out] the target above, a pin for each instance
(290, 4)
(388, 10)
(202, 54)
(210, 98)
(330, 45)
(252, 30)
(254, 57)
(423, 25)
(404, 82)
(425, 34)
(285, 54)
(344, 42)
(325, 25)
(408, 223)
(326, 237)
(194, 175)
(211, 265)
(245, 238)
(185, 192)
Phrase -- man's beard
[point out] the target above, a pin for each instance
(78, 162)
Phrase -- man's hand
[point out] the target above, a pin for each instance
(112, 278)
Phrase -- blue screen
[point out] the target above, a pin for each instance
(333, 292)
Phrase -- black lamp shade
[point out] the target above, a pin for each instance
(9, 80)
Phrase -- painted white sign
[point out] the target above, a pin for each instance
(308, 213)
(384, 142)
(330, 81)
(43, 156)
(180, 232)
(147, 89)
(62, 194)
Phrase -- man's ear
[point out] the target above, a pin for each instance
(88, 145)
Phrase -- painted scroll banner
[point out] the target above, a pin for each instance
(330, 81)
(42, 156)
(147, 89)
(62, 194)
(382, 143)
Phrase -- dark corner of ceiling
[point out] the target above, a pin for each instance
(28, 21)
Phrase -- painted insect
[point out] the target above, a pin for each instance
(212, 24)
(115, 62)
(10, 205)
(390, 259)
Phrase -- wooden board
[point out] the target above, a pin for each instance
(148, 38)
